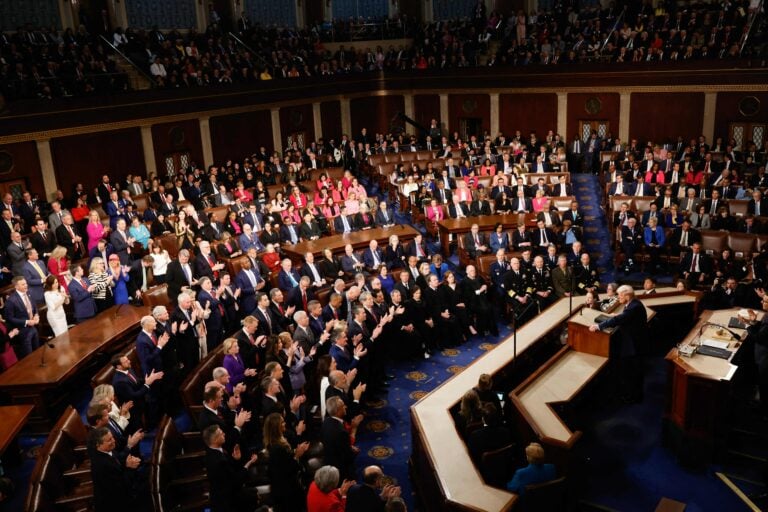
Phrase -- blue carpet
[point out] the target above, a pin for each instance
(597, 229)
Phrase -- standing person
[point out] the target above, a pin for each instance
(630, 342)
(120, 279)
(58, 265)
(21, 313)
(284, 467)
(80, 291)
(55, 299)
(758, 335)
(103, 284)
(227, 473)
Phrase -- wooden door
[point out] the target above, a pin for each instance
(602, 127)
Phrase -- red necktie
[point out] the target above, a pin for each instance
(693, 262)
(130, 376)
(304, 299)
(154, 339)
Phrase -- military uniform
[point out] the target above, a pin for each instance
(542, 282)
(586, 277)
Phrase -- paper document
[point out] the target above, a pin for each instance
(715, 344)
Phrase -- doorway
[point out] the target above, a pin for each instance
(177, 162)
(470, 126)
(602, 127)
(224, 10)
(94, 14)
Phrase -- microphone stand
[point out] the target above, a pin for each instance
(47, 344)
(570, 296)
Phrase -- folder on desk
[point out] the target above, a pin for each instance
(602, 318)
(735, 323)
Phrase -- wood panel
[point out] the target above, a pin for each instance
(728, 111)
(297, 119)
(176, 138)
(527, 113)
(425, 108)
(20, 161)
(577, 110)
(237, 136)
(85, 158)
(330, 114)
(469, 106)
(660, 116)
(374, 113)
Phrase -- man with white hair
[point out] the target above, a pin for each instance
(631, 341)
(184, 321)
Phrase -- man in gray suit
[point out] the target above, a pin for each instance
(17, 254)
(54, 219)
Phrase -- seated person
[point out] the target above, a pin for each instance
(535, 472)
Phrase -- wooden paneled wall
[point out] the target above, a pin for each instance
(374, 113)
(471, 106)
(527, 113)
(608, 111)
(20, 161)
(660, 116)
(168, 138)
(240, 135)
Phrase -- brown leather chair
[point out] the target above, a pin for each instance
(392, 157)
(177, 474)
(550, 495)
(219, 211)
(498, 466)
(408, 156)
(193, 386)
(169, 243)
(157, 296)
(375, 160)
(234, 265)
(484, 263)
(425, 155)
(713, 242)
(142, 202)
(743, 243)
(738, 206)
(104, 376)
(642, 204)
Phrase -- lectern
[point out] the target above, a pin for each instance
(582, 340)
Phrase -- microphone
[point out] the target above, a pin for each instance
(737, 337)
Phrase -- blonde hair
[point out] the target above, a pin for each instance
(534, 452)
(95, 261)
(228, 344)
(58, 252)
(103, 392)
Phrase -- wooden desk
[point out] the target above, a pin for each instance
(442, 470)
(559, 380)
(699, 389)
(14, 418)
(486, 223)
(581, 339)
(358, 239)
(86, 344)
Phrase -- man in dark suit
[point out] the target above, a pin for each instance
(249, 281)
(105, 189)
(35, 272)
(631, 242)
(69, 237)
(338, 451)
(206, 264)
(309, 229)
(21, 313)
(227, 474)
(289, 233)
(43, 239)
(287, 278)
(373, 257)
(212, 414)
(384, 216)
(418, 248)
(683, 238)
(696, 266)
(370, 496)
(131, 387)
(575, 154)
(631, 342)
(619, 188)
(149, 346)
(27, 211)
(299, 296)
(122, 242)
(114, 480)
(17, 253)
(522, 203)
(268, 322)
(344, 223)
(475, 243)
(179, 275)
(457, 209)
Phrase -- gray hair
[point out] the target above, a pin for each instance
(327, 479)
(158, 310)
(219, 372)
(146, 319)
(299, 315)
(333, 405)
(626, 289)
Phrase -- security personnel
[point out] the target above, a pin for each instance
(541, 282)
(587, 278)
(519, 289)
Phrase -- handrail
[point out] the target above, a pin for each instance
(752, 17)
(615, 26)
(128, 60)
(255, 54)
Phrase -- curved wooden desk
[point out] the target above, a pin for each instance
(442, 469)
(27, 382)
(336, 243)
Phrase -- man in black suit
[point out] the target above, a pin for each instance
(114, 480)
(131, 387)
(338, 451)
(631, 343)
(105, 189)
(69, 237)
(344, 223)
(227, 474)
(43, 239)
(696, 266)
(179, 275)
(371, 495)
(231, 424)
(475, 242)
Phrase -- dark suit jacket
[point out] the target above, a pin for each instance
(634, 329)
(82, 300)
(364, 498)
(34, 280)
(226, 477)
(338, 224)
(150, 357)
(112, 483)
(43, 247)
(15, 312)
(337, 448)
(120, 246)
(65, 240)
(175, 278)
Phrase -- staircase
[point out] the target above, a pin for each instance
(137, 80)
(597, 233)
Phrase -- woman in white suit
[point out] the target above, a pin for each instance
(55, 299)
